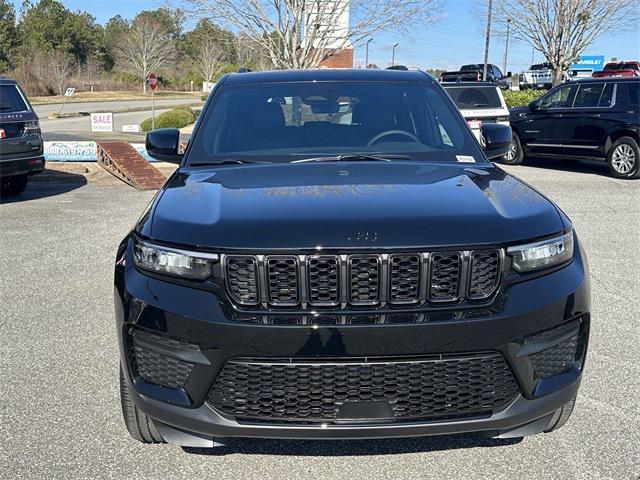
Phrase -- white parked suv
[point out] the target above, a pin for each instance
(479, 102)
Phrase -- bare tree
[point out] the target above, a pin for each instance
(208, 57)
(146, 48)
(303, 33)
(59, 66)
(562, 29)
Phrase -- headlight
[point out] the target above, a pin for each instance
(172, 261)
(535, 256)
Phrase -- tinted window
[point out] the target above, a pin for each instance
(540, 66)
(11, 100)
(560, 98)
(497, 72)
(281, 122)
(472, 67)
(630, 91)
(474, 97)
(607, 96)
(588, 95)
(630, 66)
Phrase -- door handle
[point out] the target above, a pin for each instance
(595, 115)
(557, 115)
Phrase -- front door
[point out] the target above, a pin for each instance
(551, 124)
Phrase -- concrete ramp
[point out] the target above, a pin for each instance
(122, 160)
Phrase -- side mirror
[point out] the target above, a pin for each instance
(495, 139)
(534, 105)
(163, 144)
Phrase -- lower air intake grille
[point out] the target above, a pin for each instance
(156, 367)
(557, 359)
(293, 391)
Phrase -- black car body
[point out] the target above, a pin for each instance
(595, 118)
(474, 73)
(292, 280)
(21, 147)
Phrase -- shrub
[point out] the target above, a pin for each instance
(176, 118)
(519, 98)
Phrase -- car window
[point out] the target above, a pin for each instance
(606, 99)
(474, 97)
(630, 91)
(559, 98)
(281, 122)
(588, 95)
(11, 100)
(497, 72)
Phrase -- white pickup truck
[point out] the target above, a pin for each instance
(539, 75)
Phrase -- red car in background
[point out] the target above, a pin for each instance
(619, 69)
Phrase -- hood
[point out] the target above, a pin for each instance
(348, 205)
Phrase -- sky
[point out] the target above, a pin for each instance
(455, 39)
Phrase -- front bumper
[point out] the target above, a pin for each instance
(527, 318)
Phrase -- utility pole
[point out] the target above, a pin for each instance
(506, 48)
(486, 43)
(393, 54)
(366, 53)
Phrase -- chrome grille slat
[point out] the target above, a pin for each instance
(363, 279)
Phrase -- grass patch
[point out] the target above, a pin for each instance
(111, 96)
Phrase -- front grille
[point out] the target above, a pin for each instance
(361, 279)
(428, 389)
(484, 273)
(282, 280)
(156, 367)
(323, 272)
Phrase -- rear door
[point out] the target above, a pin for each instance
(15, 113)
(545, 131)
(589, 119)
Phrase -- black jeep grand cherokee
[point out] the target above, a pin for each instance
(336, 258)
(21, 147)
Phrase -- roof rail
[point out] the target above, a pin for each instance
(244, 70)
(397, 67)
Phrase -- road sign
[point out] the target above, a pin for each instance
(70, 91)
(134, 128)
(152, 80)
(102, 122)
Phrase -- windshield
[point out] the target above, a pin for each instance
(11, 100)
(282, 122)
(474, 97)
(540, 66)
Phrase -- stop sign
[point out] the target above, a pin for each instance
(152, 80)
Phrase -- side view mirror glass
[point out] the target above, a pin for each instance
(164, 144)
(496, 139)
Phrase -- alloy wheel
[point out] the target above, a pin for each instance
(623, 159)
(513, 151)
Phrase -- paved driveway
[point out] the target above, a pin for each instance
(59, 407)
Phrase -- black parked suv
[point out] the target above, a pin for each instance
(595, 118)
(21, 148)
(335, 258)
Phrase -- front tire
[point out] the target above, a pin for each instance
(624, 158)
(14, 185)
(515, 155)
(139, 425)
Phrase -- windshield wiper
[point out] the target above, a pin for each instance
(354, 157)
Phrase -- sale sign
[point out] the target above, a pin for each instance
(102, 122)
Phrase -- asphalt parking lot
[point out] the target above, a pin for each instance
(59, 405)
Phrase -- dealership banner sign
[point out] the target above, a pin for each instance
(586, 62)
(80, 151)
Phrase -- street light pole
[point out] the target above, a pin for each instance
(486, 43)
(506, 48)
(393, 54)
(366, 53)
